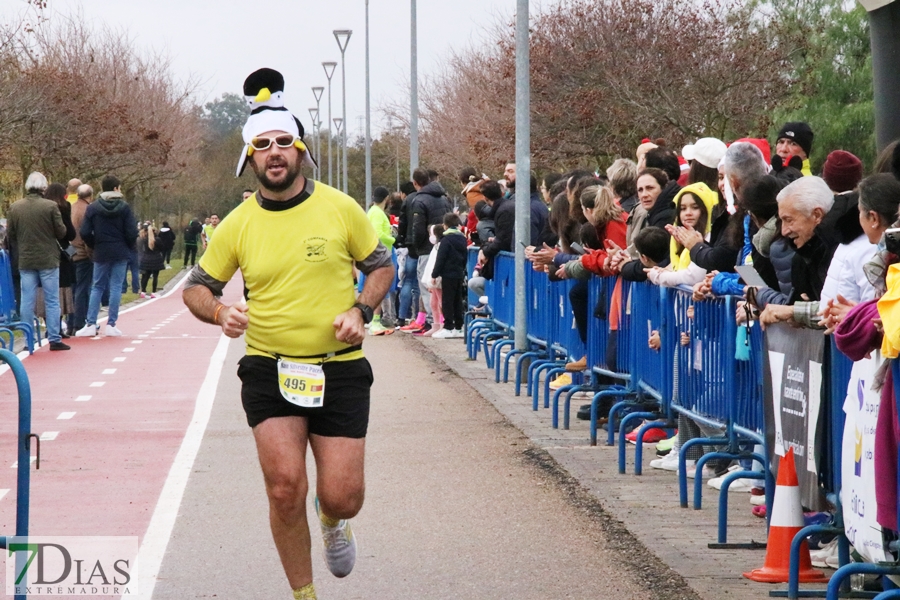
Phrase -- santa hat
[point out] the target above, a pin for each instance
(763, 146)
(264, 92)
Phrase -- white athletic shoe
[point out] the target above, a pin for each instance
(112, 331)
(669, 462)
(458, 333)
(87, 331)
(443, 334)
(340, 546)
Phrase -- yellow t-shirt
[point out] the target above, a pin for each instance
(297, 265)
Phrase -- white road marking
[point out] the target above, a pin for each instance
(3, 493)
(16, 464)
(137, 341)
(98, 384)
(83, 398)
(64, 416)
(120, 358)
(143, 335)
(49, 435)
(161, 524)
(128, 349)
(108, 371)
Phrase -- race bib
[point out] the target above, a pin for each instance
(301, 384)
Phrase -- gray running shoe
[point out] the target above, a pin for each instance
(340, 546)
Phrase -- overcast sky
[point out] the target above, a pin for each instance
(222, 41)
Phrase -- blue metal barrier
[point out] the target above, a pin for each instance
(652, 370)
(701, 378)
(23, 444)
(9, 318)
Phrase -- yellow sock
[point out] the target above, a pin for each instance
(328, 521)
(307, 592)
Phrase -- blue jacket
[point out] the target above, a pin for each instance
(109, 228)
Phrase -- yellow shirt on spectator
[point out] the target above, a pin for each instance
(297, 265)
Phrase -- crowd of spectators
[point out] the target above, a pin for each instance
(823, 248)
(70, 254)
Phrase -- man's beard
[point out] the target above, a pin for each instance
(292, 171)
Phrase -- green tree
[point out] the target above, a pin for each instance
(834, 92)
(226, 115)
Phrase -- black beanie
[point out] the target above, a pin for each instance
(798, 131)
(379, 194)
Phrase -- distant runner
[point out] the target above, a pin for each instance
(304, 377)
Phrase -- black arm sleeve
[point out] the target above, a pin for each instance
(720, 257)
(633, 270)
(380, 257)
(198, 276)
(504, 231)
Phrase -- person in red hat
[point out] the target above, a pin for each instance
(842, 171)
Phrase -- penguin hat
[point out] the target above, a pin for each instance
(264, 91)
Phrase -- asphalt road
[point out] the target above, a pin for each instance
(459, 505)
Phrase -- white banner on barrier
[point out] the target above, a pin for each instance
(858, 463)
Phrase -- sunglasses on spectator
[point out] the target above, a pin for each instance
(264, 143)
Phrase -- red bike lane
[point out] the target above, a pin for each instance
(112, 414)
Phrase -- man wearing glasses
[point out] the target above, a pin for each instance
(304, 378)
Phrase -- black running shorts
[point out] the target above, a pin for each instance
(345, 409)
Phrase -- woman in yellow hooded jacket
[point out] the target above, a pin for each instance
(696, 203)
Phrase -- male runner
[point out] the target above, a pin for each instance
(304, 378)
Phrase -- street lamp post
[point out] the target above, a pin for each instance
(338, 130)
(413, 94)
(523, 167)
(314, 117)
(343, 38)
(317, 94)
(329, 71)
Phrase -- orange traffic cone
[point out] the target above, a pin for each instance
(786, 521)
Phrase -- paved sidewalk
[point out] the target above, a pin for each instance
(647, 506)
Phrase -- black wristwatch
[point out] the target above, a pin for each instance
(367, 312)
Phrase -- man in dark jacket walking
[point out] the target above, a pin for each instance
(166, 241)
(428, 208)
(35, 226)
(109, 228)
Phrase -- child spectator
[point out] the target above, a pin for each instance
(434, 285)
(450, 267)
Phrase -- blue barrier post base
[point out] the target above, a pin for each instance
(722, 543)
(751, 545)
(701, 463)
(509, 356)
(639, 446)
(488, 349)
(793, 590)
(524, 361)
(567, 390)
(532, 377)
(595, 408)
(496, 351)
(551, 375)
(623, 429)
